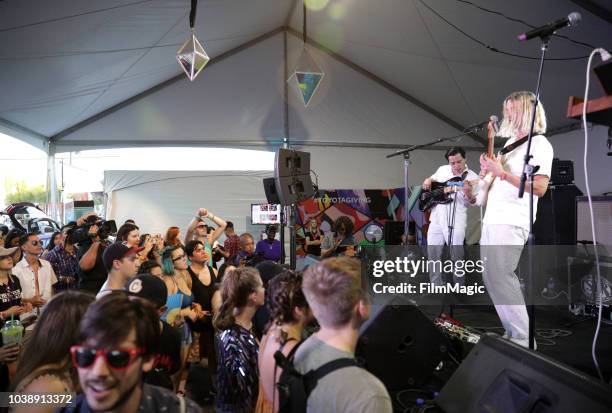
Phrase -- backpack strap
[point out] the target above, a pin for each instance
(285, 361)
(312, 377)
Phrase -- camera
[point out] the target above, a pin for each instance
(105, 228)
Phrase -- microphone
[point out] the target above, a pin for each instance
(495, 121)
(549, 28)
(482, 124)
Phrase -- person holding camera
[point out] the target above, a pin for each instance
(92, 273)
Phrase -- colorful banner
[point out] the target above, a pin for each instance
(362, 206)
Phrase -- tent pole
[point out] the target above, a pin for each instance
(289, 211)
(52, 180)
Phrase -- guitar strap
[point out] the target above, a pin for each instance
(513, 146)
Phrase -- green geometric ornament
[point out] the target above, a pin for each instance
(306, 77)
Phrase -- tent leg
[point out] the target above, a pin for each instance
(52, 180)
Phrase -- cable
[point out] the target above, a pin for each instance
(516, 20)
(605, 56)
(553, 297)
(491, 48)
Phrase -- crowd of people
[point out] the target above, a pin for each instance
(126, 323)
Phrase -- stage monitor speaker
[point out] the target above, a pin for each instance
(556, 216)
(400, 345)
(500, 376)
(270, 189)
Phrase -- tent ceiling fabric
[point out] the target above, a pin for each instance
(56, 74)
(66, 61)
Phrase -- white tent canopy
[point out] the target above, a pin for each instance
(103, 73)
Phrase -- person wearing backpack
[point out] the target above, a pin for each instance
(290, 313)
(334, 294)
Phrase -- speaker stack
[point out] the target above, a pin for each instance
(556, 216)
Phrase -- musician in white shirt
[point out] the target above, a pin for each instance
(453, 214)
(506, 220)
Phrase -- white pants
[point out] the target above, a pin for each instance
(437, 237)
(501, 259)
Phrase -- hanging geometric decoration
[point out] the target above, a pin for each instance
(306, 77)
(192, 57)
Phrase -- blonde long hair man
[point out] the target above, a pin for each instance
(506, 220)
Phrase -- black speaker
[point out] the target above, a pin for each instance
(502, 377)
(556, 217)
(393, 232)
(562, 172)
(400, 345)
(292, 176)
(270, 188)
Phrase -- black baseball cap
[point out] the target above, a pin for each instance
(149, 287)
(117, 252)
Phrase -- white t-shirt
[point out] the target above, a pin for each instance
(440, 213)
(104, 290)
(503, 204)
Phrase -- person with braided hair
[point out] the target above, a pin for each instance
(290, 314)
(242, 292)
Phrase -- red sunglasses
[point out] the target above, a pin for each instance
(118, 359)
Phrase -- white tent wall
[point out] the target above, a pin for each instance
(157, 200)
(570, 146)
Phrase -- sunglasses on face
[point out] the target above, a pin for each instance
(180, 257)
(118, 359)
(35, 243)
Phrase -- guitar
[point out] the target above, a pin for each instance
(484, 184)
(440, 192)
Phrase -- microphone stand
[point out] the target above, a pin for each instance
(528, 173)
(406, 154)
(451, 234)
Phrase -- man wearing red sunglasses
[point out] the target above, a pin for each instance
(119, 337)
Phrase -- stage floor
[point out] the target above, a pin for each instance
(573, 349)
